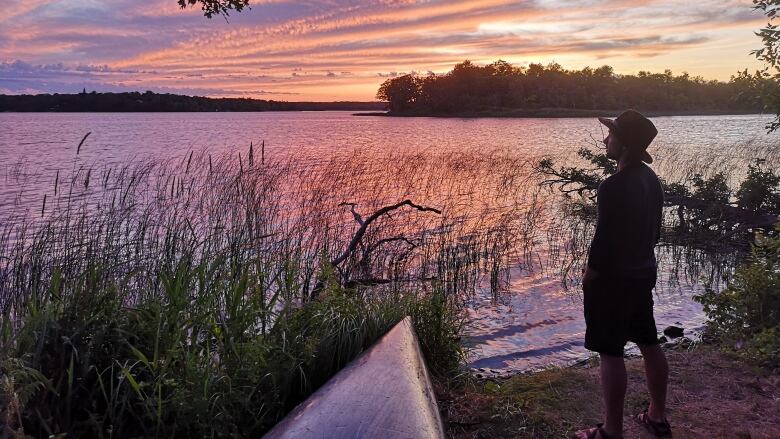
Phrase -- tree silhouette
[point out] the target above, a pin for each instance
(470, 88)
(216, 7)
(401, 92)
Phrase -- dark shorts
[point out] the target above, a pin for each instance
(618, 310)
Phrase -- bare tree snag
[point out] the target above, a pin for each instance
(364, 223)
(357, 241)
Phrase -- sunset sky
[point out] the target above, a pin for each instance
(343, 50)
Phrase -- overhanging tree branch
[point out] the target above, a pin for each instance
(707, 203)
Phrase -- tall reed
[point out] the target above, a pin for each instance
(147, 294)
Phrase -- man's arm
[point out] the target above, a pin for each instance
(598, 255)
(589, 276)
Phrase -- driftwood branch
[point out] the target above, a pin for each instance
(364, 223)
(376, 245)
(363, 265)
(356, 215)
(357, 241)
(367, 282)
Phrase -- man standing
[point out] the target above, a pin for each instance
(621, 274)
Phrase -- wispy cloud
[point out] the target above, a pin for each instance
(289, 49)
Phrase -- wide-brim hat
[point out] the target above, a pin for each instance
(634, 130)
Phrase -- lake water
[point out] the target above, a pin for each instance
(536, 323)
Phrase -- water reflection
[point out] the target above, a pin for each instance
(539, 323)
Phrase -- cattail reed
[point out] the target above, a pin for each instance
(78, 148)
(189, 160)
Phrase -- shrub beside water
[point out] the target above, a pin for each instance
(746, 315)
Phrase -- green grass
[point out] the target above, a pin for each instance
(95, 367)
(549, 403)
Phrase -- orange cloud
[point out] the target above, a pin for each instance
(286, 47)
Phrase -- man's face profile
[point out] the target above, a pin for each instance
(614, 146)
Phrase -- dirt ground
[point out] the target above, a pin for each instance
(711, 395)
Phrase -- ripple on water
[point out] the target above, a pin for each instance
(539, 323)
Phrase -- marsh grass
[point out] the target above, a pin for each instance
(196, 296)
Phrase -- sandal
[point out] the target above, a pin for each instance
(593, 433)
(657, 429)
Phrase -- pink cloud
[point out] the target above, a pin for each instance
(156, 45)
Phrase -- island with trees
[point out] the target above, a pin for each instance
(502, 89)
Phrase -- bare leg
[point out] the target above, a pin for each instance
(657, 373)
(613, 385)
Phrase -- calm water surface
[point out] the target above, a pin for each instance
(537, 323)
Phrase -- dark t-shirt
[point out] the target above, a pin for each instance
(630, 206)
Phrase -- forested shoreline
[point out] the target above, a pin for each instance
(553, 113)
(163, 102)
(501, 89)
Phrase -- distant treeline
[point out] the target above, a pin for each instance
(501, 87)
(155, 102)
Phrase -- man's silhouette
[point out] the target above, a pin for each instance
(621, 273)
